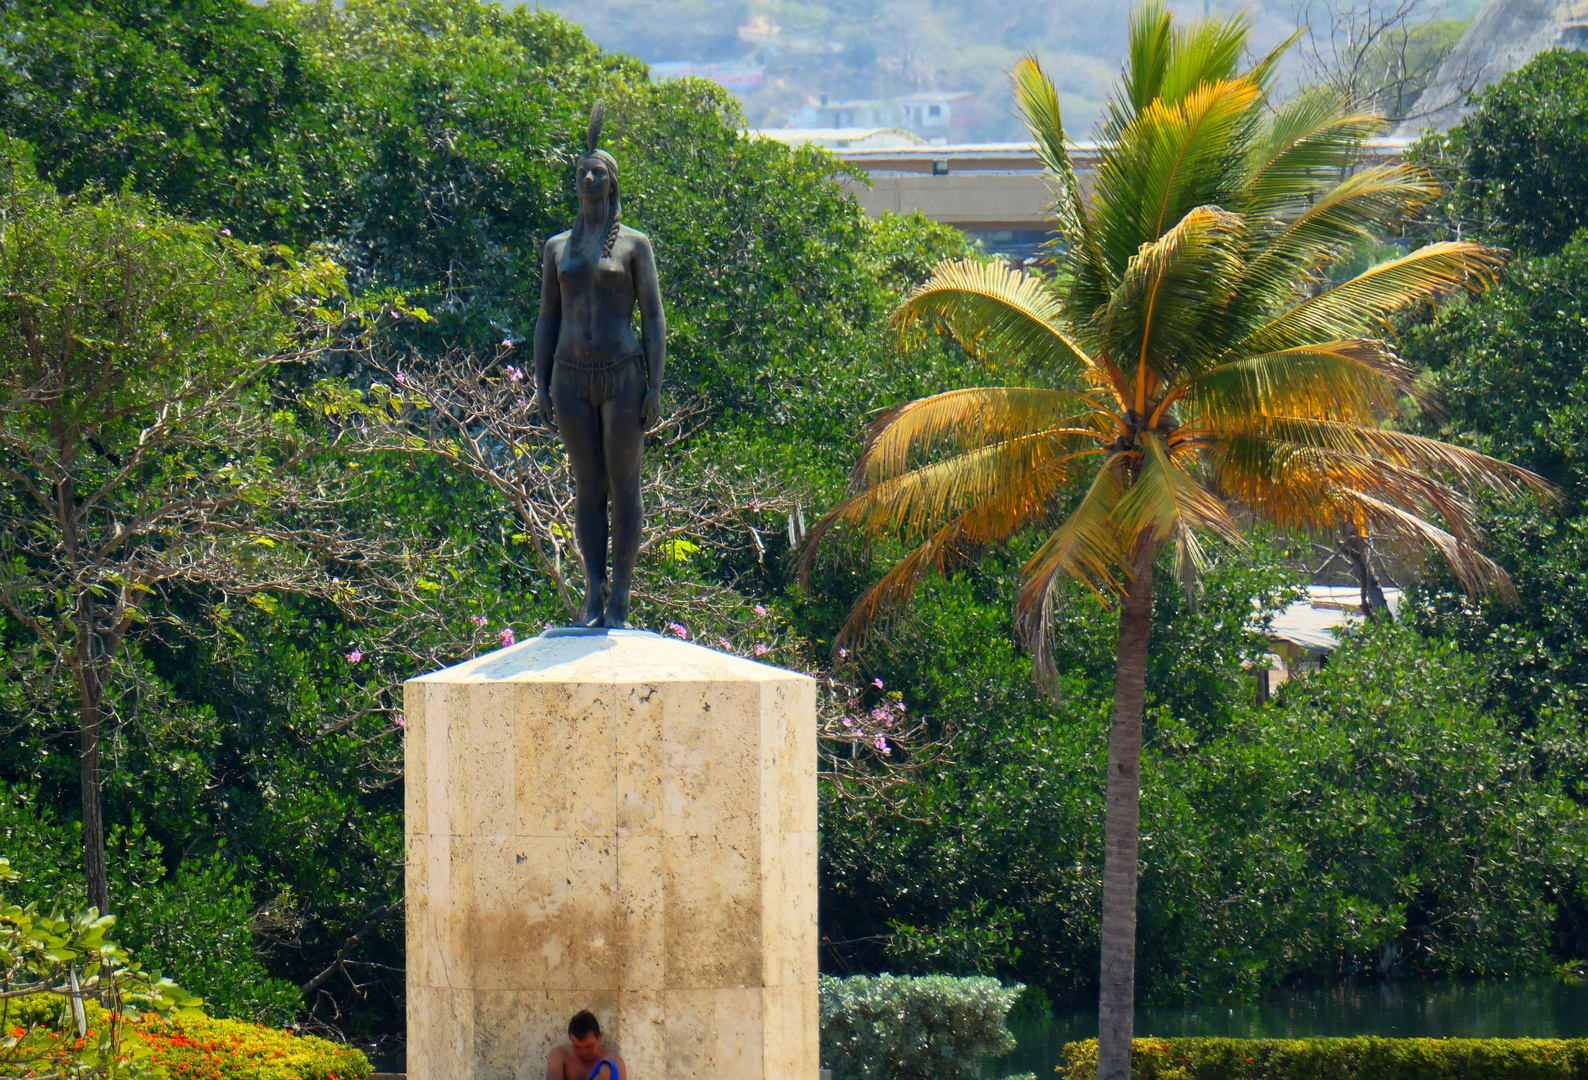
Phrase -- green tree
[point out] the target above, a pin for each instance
(1187, 372)
(135, 454)
(209, 106)
(1518, 166)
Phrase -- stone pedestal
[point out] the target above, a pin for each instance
(620, 822)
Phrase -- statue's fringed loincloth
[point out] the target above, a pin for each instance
(600, 382)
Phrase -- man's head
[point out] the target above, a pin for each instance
(584, 1032)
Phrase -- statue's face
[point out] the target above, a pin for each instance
(593, 179)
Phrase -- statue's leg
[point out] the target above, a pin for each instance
(579, 422)
(623, 440)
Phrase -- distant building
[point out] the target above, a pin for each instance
(940, 115)
(1505, 35)
(1304, 634)
(846, 138)
(740, 78)
(996, 193)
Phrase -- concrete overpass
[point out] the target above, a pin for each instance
(995, 192)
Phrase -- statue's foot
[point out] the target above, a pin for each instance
(594, 610)
(617, 613)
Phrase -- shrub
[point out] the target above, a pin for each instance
(1341, 1059)
(202, 1048)
(931, 1027)
(199, 928)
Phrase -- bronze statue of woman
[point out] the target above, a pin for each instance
(598, 384)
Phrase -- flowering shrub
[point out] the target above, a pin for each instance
(54, 971)
(932, 1027)
(1340, 1059)
(201, 1048)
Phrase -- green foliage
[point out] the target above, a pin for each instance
(196, 924)
(1373, 818)
(935, 1027)
(199, 925)
(209, 106)
(1519, 164)
(1340, 1059)
(1512, 366)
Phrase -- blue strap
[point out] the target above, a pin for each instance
(611, 1068)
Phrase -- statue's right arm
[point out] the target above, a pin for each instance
(546, 329)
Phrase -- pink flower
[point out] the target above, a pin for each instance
(481, 621)
(755, 504)
(402, 378)
(760, 649)
(226, 232)
(725, 643)
(679, 629)
(760, 609)
(506, 635)
(877, 683)
(848, 722)
(512, 372)
(898, 706)
(882, 744)
(843, 654)
(355, 656)
(400, 722)
(507, 343)
(881, 716)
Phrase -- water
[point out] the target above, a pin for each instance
(1512, 1008)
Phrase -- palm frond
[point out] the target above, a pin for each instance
(1020, 474)
(1167, 290)
(1351, 380)
(997, 312)
(1209, 50)
(1362, 303)
(1038, 103)
(1151, 45)
(1401, 449)
(973, 417)
(1358, 208)
(1477, 573)
(1165, 498)
(1170, 160)
(1310, 142)
(1087, 547)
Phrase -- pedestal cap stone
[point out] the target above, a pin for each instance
(615, 821)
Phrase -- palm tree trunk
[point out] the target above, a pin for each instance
(1116, 1005)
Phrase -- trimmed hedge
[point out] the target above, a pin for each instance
(1367, 1058)
(928, 1027)
(202, 1048)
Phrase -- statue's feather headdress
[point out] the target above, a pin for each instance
(592, 149)
(592, 138)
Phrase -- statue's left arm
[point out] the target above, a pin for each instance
(653, 329)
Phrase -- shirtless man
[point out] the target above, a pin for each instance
(583, 1057)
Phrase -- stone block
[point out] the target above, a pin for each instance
(620, 822)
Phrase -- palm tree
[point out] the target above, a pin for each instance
(1192, 360)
